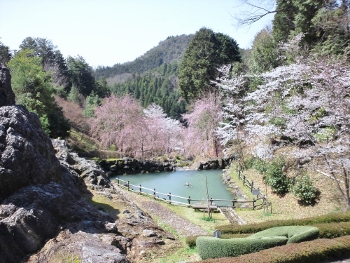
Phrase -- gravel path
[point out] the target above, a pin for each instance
(182, 226)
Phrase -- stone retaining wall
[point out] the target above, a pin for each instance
(213, 164)
(133, 166)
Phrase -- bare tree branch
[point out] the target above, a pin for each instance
(255, 12)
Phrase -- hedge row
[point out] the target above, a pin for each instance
(314, 251)
(191, 240)
(211, 247)
(333, 230)
(253, 228)
(327, 230)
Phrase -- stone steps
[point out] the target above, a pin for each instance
(231, 215)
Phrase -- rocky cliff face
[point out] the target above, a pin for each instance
(46, 210)
(39, 196)
(7, 97)
(27, 156)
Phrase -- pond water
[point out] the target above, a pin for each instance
(175, 183)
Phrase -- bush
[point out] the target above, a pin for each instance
(211, 247)
(295, 234)
(305, 191)
(191, 241)
(319, 250)
(256, 163)
(276, 178)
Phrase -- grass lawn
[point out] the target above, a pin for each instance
(287, 207)
(199, 218)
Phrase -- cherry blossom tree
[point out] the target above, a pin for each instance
(119, 121)
(165, 133)
(122, 122)
(202, 121)
(306, 104)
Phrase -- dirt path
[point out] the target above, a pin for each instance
(181, 225)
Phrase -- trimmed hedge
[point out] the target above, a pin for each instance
(315, 251)
(333, 230)
(212, 247)
(295, 234)
(253, 228)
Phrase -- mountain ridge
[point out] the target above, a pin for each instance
(166, 52)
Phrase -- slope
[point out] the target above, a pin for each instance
(167, 51)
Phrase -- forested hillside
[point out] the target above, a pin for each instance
(166, 52)
(157, 86)
(153, 77)
(198, 66)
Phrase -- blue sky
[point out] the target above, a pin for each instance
(106, 32)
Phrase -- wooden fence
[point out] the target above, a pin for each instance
(259, 195)
(188, 201)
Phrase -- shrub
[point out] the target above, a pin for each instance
(256, 163)
(305, 191)
(112, 147)
(191, 241)
(326, 134)
(280, 122)
(276, 178)
(211, 247)
(295, 234)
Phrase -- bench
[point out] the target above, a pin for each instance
(198, 207)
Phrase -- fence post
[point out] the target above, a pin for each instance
(169, 197)
(233, 203)
(118, 181)
(252, 186)
(189, 200)
(128, 186)
(211, 201)
(254, 204)
(140, 189)
(243, 179)
(154, 193)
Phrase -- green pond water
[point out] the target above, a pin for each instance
(175, 183)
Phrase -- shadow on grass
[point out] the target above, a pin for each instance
(113, 212)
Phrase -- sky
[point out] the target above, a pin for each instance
(107, 32)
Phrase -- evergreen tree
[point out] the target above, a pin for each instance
(332, 26)
(295, 17)
(283, 22)
(5, 54)
(91, 102)
(33, 88)
(204, 54)
(52, 59)
(263, 55)
(81, 75)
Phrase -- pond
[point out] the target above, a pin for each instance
(176, 184)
